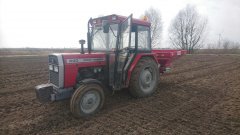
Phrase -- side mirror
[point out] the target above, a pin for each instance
(105, 26)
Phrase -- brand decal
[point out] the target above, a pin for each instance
(80, 60)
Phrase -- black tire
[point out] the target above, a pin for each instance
(87, 100)
(144, 78)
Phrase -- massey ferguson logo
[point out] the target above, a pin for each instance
(80, 60)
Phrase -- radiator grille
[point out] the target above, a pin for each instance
(53, 76)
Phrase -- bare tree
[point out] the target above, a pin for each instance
(236, 45)
(226, 44)
(187, 29)
(154, 16)
(229, 45)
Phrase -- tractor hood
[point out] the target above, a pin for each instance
(70, 63)
(85, 59)
(63, 67)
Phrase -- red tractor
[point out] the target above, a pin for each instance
(119, 56)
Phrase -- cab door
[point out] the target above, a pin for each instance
(122, 52)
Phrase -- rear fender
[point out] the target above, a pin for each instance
(135, 61)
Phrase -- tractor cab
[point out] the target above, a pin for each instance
(121, 38)
(114, 32)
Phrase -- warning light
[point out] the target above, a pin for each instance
(145, 18)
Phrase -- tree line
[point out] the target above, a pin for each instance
(187, 30)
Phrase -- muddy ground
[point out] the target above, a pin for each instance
(201, 95)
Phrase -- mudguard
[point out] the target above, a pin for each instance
(90, 80)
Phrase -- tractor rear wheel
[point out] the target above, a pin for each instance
(88, 99)
(145, 78)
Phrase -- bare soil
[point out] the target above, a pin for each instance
(201, 95)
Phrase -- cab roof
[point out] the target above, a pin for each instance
(118, 19)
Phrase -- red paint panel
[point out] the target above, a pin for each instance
(165, 57)
(71, 69)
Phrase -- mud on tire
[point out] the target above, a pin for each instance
(145, 78)
(87, 100)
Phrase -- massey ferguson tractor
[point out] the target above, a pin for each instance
(119, 55)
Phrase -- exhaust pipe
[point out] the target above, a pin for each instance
(82, 42)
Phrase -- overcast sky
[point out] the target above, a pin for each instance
(61, 23)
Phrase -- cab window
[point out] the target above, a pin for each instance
(143, 38)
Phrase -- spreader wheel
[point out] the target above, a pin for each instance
(145, 78)
(88, 99)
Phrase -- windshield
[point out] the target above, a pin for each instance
(104, 41)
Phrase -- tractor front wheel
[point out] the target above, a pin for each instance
(88, 99)
(145, 78)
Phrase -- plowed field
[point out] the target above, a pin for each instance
(201, 95)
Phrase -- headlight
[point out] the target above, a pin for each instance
(50, 67)
(56, 68)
